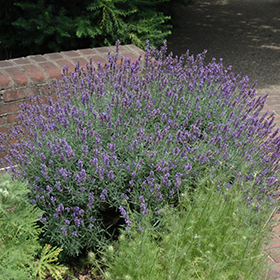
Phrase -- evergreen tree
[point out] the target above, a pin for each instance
(32, 27)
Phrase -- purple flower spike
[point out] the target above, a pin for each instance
(144, 209)
(111, 174)
(85, 150)
(104, 192)
(125, 215)
(64, 231)
(80, 164)
(43, 158)
(124, 196)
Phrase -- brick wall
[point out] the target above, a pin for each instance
(30, 75)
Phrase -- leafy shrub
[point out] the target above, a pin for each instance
(49, 26)
(118, 135)
(19, 236)
(210, 235)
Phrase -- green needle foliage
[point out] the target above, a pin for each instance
(49, 255)
(212, 234)
(32, 27)
(19, 234)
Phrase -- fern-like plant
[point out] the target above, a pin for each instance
(19, 236)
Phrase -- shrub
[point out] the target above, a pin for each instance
(49, 26)
(210, 235)
(19, 236)
(127, 134)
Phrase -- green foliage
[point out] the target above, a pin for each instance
(209, 235)
(19, 235)
(49, 26)
(49, 256)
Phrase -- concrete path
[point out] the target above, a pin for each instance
(246, 34)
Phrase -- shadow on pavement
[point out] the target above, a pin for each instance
(245, 33)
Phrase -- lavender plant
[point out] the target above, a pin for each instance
(135, 135)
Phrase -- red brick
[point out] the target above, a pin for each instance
(274, 271)
(11, 117)
(10, 107)
(275, 243)
(276, 217)
(5, 81)
(19, 93)
(112, 49)
(277, 112)
(53, 56)
(277, 121)
(54, 97)
(2, 154)
(122, 49)
(36, 75)
(4, 129)
(18, 76)
(37, 58)
(133, 57)
(45, 98)
(51, 70)
(276, 229)
(5, 63)
(71, 53)
(275, 255)
(264, 109)
(88, 52)
(45, 89)
(103, 50)
(2, 120)
(21, 61)
(98, 58)
(82, 61)
(135, 49)
(270, 101)
(270, 260)
(63, 62)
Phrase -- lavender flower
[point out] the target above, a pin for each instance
(111, 174)
(144, 209)
(64, 231)
(58, 186)
(102, 196)
(115, 134)
(123, 195)
(125, 215)
(80, 164)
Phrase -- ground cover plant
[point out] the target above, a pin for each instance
(21, 256)
(133, 137)
(211, 235)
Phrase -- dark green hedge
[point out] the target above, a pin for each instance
(43, 26)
